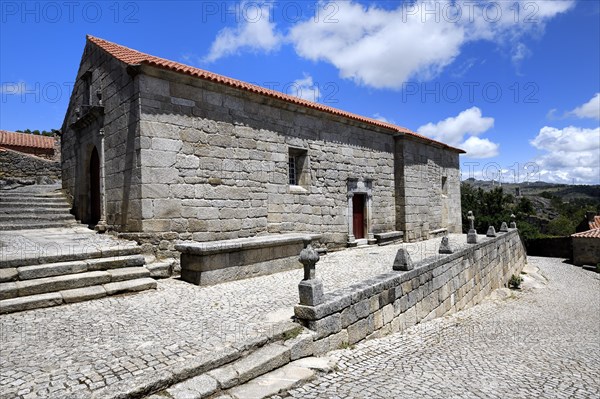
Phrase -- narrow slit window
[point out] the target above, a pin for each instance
(292, 170)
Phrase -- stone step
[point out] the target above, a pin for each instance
(20, 194)
(34, 224)
(28, 199)
(46, 285)
(81, 266)
(36, 205)
(251, 359)
(273, 383)
(35, 211)
(93, 256)
(161, 269)
(75, 295)
(18, 216)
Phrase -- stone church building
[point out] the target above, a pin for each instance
(151, 147)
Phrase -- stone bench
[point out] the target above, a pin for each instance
(438, 233)
(389, 237)
(207, 263)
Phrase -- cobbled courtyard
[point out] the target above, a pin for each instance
(542, 342)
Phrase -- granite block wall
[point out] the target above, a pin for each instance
(16, 165)
(397, 300)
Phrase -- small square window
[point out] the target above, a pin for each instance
(298, 171)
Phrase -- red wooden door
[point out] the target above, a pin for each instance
(358, 215)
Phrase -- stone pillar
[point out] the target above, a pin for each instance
(491, 232)
(445, 247)
(311, 288)
(370, 237)
(351, 238)
(504, 227)
(101, 226)
(472, 234)
(403, 262)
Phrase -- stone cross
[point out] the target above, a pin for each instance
(472, 234)
(311, 288)
(471, 220)
(513, 224)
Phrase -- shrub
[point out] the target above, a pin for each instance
(515, 282)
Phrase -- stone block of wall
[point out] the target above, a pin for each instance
(436, 286)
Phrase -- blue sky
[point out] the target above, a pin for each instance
(515, 83)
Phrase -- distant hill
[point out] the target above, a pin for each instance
(541, 188)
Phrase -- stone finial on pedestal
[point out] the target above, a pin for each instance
(311, 288)
(503, 227)
(491, 232)
(513, 224)
(445, 247)
(472, 234)
(403, 261)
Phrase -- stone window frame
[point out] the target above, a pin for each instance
(360, 186)
(299, 165)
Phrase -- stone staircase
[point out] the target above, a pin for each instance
(47, 259)
(78, 277)
(34, 207)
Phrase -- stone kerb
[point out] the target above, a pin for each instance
(436, 286)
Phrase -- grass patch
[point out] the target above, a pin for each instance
(346, 345)
(293, 333)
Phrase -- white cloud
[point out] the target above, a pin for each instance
(254, 32)
(453, 129)
(384, 48)
(571, 154)
(379, 117)
(591, 109)
(480, 148)
(304, 88)
(377, 47)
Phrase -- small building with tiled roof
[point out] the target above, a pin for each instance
(33, 144)
(155, 148)
(586, 247)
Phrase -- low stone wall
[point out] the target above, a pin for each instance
(16, 165)
(393, 301)
(555, 247)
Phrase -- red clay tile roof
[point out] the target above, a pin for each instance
(595, 224)
(594, 233)
(25, 140)
(132, 57)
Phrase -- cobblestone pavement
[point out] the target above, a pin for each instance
(61, 351)
(24, 244)
(542, 342)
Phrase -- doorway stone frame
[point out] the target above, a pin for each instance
(360, 186)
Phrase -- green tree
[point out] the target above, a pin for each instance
(561, 226)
